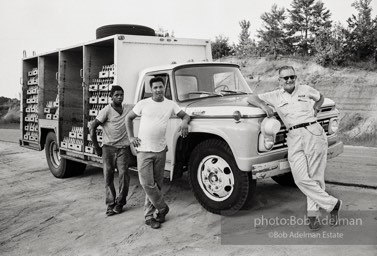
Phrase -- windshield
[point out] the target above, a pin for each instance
(208, 81)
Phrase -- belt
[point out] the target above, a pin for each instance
(301, 125)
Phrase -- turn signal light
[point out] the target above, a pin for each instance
(237, 116)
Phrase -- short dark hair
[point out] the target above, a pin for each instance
(156, 80)
(285, 68)
(115, 88)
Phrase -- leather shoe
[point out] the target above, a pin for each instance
(153, 223)
(334, 214)
(314, 224)
(160, 216)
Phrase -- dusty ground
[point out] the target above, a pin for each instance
(42, 215)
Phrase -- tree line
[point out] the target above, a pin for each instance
(306, 29)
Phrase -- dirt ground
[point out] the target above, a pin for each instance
(42, 215)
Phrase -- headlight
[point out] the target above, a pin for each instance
(333, 125)
(265, 142)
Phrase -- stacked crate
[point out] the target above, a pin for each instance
(89, 148)
(51, 110)
(99, 90)
(99, 97)
(75, 140)
(31, 107)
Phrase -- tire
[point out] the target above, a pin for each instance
(285, 179)
(217, 183)
(127, 29)
(250, 200)
(60, 167)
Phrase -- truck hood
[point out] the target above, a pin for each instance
(226, 105)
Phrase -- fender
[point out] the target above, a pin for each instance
(238, 136)
(45, 126)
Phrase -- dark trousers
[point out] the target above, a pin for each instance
(116, 158)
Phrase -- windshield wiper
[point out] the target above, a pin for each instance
(208, 93)
(234, 92)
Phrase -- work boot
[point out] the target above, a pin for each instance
(110, 210)
(314, 224)
(118, 208)
(334, 214)
(153, 223)
(160, 216)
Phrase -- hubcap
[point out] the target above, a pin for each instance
(215, 178)
(54, 154)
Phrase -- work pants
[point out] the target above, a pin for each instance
(151, 167)
(307, 156)
(116, 158)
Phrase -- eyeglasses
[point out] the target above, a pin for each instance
(289, 77)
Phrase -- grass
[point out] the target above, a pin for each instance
(366, 140)
(349, 122)
(6, 125)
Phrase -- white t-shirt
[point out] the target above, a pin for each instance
(153, 123)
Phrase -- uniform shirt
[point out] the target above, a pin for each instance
(295, 108)
(153, 123)
(114, 126)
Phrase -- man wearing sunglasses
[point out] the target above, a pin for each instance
(297, 105)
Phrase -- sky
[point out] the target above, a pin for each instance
(46, 25)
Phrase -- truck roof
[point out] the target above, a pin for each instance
(173, 66)
(127, 38)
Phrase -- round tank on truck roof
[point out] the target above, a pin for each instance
(127, 29)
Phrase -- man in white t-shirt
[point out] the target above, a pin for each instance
(297, 105)
(151, 147)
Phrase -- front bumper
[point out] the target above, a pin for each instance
(269, 169)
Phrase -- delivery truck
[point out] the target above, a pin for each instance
(225, 152)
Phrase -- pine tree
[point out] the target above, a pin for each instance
(361, 35)
(220, 47)
(246, 46)
(307, 18)
(273, 36)
(329, 46)
(321, 18)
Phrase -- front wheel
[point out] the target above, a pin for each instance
(60, 167)
(217, 183)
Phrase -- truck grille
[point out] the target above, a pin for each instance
(281, 136)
